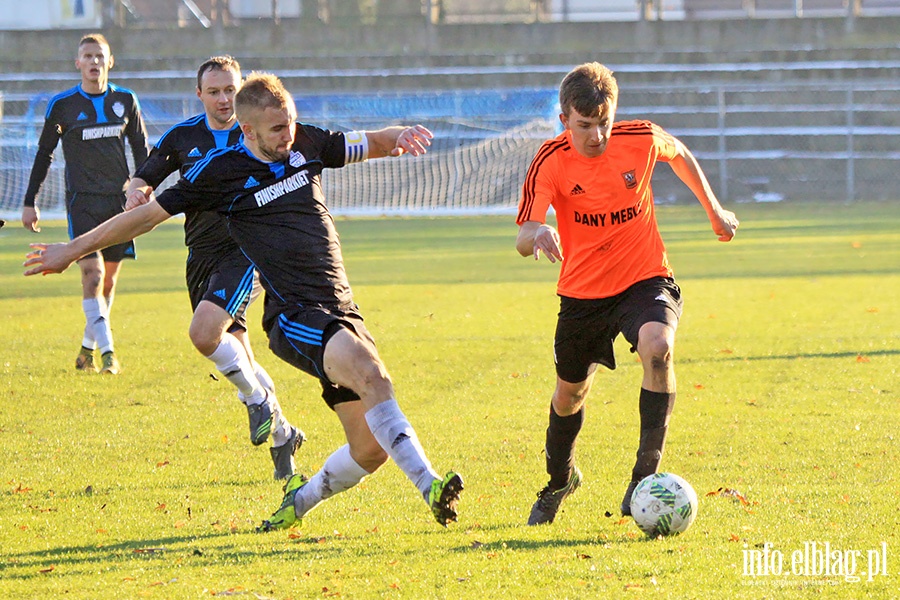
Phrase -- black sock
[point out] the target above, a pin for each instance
(655, 409)
(560, 448)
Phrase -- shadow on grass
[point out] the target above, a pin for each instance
(89, 556)
(799, 355)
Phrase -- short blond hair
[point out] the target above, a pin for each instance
(93, 38)
(586, 88)
(261, 91)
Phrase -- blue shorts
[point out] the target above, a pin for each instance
(230, 283)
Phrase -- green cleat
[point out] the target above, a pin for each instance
(110, 364)
(285, 517)
(85, 360)
(443, 497)
(544, 510)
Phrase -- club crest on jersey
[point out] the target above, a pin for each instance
(630, 179)
(119, 109)
(296, 159)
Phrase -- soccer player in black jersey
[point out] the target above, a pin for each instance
(221, 281)
(92, 119)
(269, 189)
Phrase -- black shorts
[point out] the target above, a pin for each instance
(86, 211)
(230, 283)
(586, 329)
(298, 335)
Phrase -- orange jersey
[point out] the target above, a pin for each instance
(604, 208)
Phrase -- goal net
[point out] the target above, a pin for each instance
(484, 142)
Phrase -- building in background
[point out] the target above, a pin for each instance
(50, 14)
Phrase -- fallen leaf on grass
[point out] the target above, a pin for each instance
(162, 464)
(699, 386)
(729, 493)
(148, 550)
(734, 538)
(48, 569)
(21, 490)
(161, 506)
(872, 309)
(476, 545)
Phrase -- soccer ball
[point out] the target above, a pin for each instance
(663, 504)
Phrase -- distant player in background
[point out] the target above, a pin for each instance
(269, 188)
(615, 277)
(221, 281)
(92, 119)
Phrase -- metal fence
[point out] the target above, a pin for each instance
(760, 142)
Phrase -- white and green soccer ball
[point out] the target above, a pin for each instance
(663, 504)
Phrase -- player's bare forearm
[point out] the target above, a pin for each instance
(399, 140)
(724, 222)
(534, 238)
(56, 258)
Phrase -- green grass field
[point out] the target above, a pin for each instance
(145, 486)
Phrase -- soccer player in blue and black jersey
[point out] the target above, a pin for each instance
(269, 189)
(221, 281)
(92, 119)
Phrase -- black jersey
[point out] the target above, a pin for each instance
(93, 128)
(177, 150)
(276, 213)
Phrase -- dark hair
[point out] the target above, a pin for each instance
(217, 63)
(586, 88)
(261, 91)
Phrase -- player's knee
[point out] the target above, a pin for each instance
(568, 401)
(374, 378)
(657, 350)
(205, 339)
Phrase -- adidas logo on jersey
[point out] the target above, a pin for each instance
(82, 117)
(576, 190)
(251, 182)
(194, 153)
(219, 294)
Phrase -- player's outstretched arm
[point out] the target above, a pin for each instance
(724, 222)
(399, 140)
(535, 238)
(56, 258)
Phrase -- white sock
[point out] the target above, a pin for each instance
(230, 358)
(263, 377)
(281, 429)
(98, 323)
(394, 433)
(88, 340)
(339, 473)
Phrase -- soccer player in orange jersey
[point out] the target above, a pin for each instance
(614, 276)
